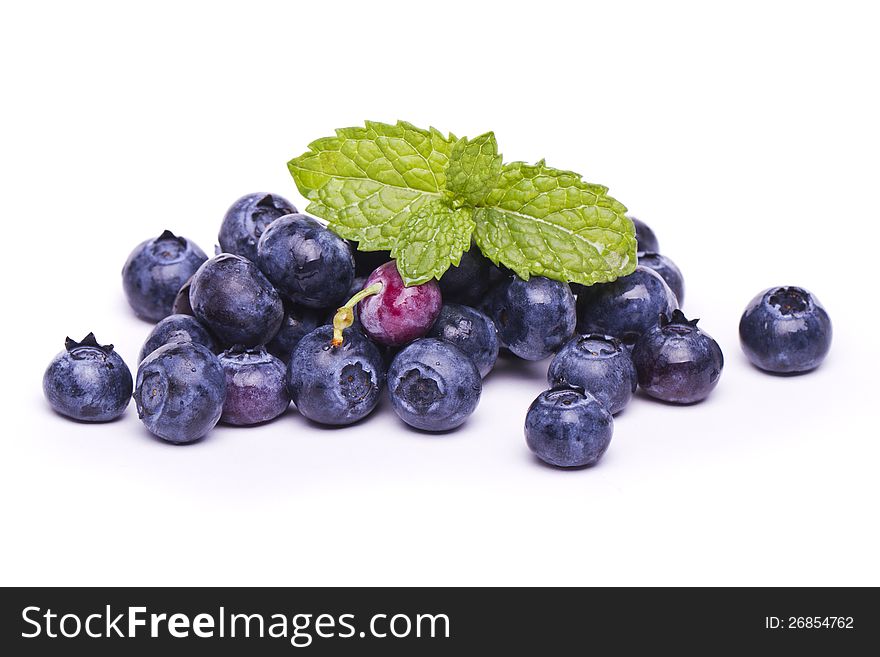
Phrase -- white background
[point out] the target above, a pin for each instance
(746, 136)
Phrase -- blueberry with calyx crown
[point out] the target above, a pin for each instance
(156, 270)
(88, 381)
(677, 361)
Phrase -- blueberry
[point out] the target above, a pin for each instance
(676, 361)
(534, 317)
(785, 330)
(256, 386)
(398, 314)
(627, 307)
(156, 270)
(247, 219)
(306, 262)
(599, 364)
(177, 328)
(335, 385)
(468, 282)
(180, 391)
(668, 271)
(181, 305)
(471, 331)
(568, 428)
(234, 300)
(433, 385)
(88, 381)
(298, 321)
(646, 240)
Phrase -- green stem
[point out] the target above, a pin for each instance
(344, 316)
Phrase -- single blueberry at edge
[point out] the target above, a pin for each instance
(88, 381)
(785, 330)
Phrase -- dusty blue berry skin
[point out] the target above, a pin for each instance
(645, 237)
(627, 307)
(335, 385)
(234, 300)
(88, 381)
(471, 331)
(785, 330)
(678, 362)
(177, 328)
(668, 271)
(467, 283)
(433, 385)
(534, 318)
(599, 364)
(568, 428)
(256, 386)
(156, 270)
(309, 264)
(180, 391)
(247, 219)
(297, 323)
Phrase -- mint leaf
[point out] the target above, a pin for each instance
(548, 222)
(367, 182)
(474, 168)
(433, 237)
(422, 195)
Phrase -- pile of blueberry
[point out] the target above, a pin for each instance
(287, 310)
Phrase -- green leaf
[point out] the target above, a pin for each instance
(432, 239)
(548, 222)
(367, 182)
(474, 168)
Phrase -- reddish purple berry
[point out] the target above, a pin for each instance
(397, 315)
